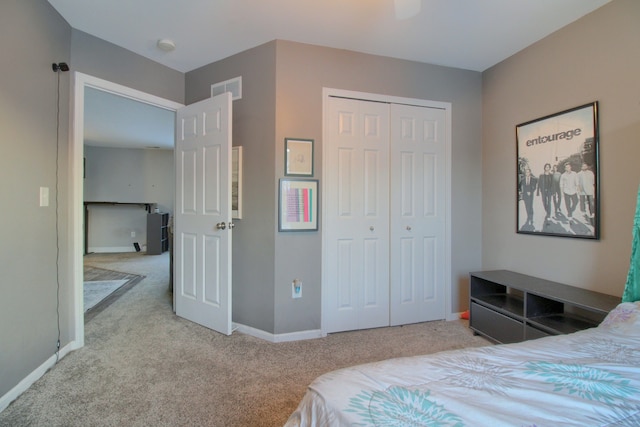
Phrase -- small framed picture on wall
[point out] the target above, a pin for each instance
(298, 157)
(298, 205)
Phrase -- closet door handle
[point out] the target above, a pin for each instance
(221, 225)
(372, 228)
(408, 228)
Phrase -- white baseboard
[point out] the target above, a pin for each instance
(34, 376)
(301, 335)
(267, 336)
(111, 249)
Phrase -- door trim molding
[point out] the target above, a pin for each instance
(372, 97)
(76, 197)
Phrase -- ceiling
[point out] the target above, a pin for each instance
(118, 122)
(467, 34)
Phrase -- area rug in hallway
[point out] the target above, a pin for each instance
(96, 291)
(102, 287)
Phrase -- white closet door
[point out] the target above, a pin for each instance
(418, 214)
(356, 222)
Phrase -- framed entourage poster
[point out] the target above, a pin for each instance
(557, 174)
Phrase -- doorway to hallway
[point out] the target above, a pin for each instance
(77, 163)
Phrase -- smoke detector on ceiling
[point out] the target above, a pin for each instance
(166, 45)
(406, 9)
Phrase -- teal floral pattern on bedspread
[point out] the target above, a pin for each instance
(425, 405)
(398, 406)
(587, 382)
(589, 378)
(477, 373)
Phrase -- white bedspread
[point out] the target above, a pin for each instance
(590, 378)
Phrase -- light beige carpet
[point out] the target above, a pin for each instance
(143, 366)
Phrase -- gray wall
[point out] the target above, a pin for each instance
(98, 58)
(35, 37)
(595, 58)
(125, 175)
(302, 72)
(290, 76)
(28, 104)
(254, 130)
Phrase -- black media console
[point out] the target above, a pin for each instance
(509, 307)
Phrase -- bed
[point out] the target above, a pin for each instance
(588, 378)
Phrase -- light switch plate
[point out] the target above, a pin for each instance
(44, 196)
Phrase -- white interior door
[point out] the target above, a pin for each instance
(418, 214)
(202, 218)
(356, 241)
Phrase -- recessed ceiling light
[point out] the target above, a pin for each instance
(166, 45)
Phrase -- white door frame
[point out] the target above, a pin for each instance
(76, 196)
(364, 96)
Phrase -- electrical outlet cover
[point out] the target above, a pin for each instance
(296, 289)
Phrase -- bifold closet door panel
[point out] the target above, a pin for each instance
(418, 214)
(357, 215)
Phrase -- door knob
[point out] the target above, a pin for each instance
(408, 228)
(371, 228)
(231, 225)
(221, 225)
